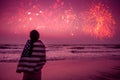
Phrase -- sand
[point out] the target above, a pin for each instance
(82, 69)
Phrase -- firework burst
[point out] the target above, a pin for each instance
(54, 18)
(60, 18)
(98, 21)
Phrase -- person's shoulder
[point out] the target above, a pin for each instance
(39, 42)
(28, 41)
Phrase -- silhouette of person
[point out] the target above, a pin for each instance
(32, 58)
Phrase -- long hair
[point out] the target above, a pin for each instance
(34, 36)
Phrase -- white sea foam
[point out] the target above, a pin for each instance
(57, 52)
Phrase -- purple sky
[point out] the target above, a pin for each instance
(60, 21)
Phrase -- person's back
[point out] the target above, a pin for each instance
(33, 58)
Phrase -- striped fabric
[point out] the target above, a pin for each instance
(32, 62)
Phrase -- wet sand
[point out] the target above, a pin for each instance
(82, 69)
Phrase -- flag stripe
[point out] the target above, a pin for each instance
(33, 62)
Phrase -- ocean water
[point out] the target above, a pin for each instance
(12, 52)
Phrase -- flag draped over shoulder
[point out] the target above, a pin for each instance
(32, 58)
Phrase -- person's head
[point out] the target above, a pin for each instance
(34, 35)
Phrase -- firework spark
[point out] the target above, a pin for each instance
(55, 18)
(98, 21)
(61, 19)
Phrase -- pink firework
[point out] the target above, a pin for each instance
(98, 21)
(54, 18)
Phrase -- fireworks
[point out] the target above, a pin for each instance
(55, 18)
(62, 20)
(98, 21)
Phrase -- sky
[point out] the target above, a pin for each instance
(61, 21)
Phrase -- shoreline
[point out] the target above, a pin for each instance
(82, 69)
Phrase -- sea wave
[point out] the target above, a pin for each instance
(12, 52)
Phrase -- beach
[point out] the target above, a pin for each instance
(82, 69)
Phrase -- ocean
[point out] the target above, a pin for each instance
(12, 52)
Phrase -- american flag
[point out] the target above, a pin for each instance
(32, 58)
